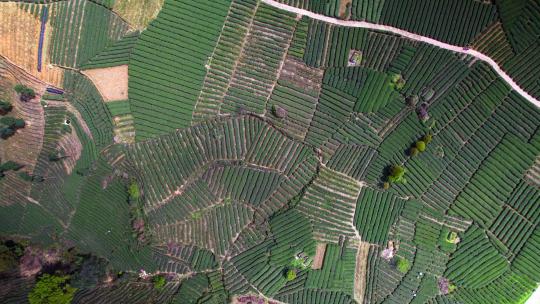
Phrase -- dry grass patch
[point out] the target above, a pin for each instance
(138, 13)
(112, 83)
(360, 272)
(19, 39)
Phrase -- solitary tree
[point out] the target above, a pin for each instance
(421, 146)
(291, 274)
(5, 107)
(397, 174)
(403, 265)
(159, 282)
(6, 132)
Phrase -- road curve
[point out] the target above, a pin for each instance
(413, 36)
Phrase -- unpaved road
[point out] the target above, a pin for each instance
(413, 36)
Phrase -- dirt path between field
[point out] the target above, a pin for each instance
(360, 272)
(412, 36)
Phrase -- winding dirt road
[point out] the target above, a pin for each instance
(413, 36)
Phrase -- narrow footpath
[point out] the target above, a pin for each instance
(412, 36)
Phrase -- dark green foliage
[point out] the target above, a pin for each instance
(397, 174)
(25, 93)
(6, 132)
(8, 121)
(10, 165)
(90, 273)
(52, 289)
(8, 258)
(5, 107)
(9, 125)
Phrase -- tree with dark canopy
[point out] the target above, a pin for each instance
(25, 93)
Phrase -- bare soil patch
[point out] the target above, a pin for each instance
(112, 83)
(318, 260)
(360, 272)
(343, 8)
(19, 39)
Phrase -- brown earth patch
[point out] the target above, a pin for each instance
(112, 83)
(318, 260)
(138, 13)
(343, 8)
(360, 272)
(19, 39)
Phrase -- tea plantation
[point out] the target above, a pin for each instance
(273, 152)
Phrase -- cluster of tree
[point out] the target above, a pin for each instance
(25, 93)
(9, 166)
(9, 125)
(420, 145)
(396, 174)
(52, 289)
(397, 82)
(59, 271)
(10, 253)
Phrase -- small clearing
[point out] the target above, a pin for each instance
(360, 272)
(318, 260)
(343, 8)
(112, 83)
(138, 13)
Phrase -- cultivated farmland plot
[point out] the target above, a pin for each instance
(258, 151)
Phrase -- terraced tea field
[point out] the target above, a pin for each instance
(259, 151)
